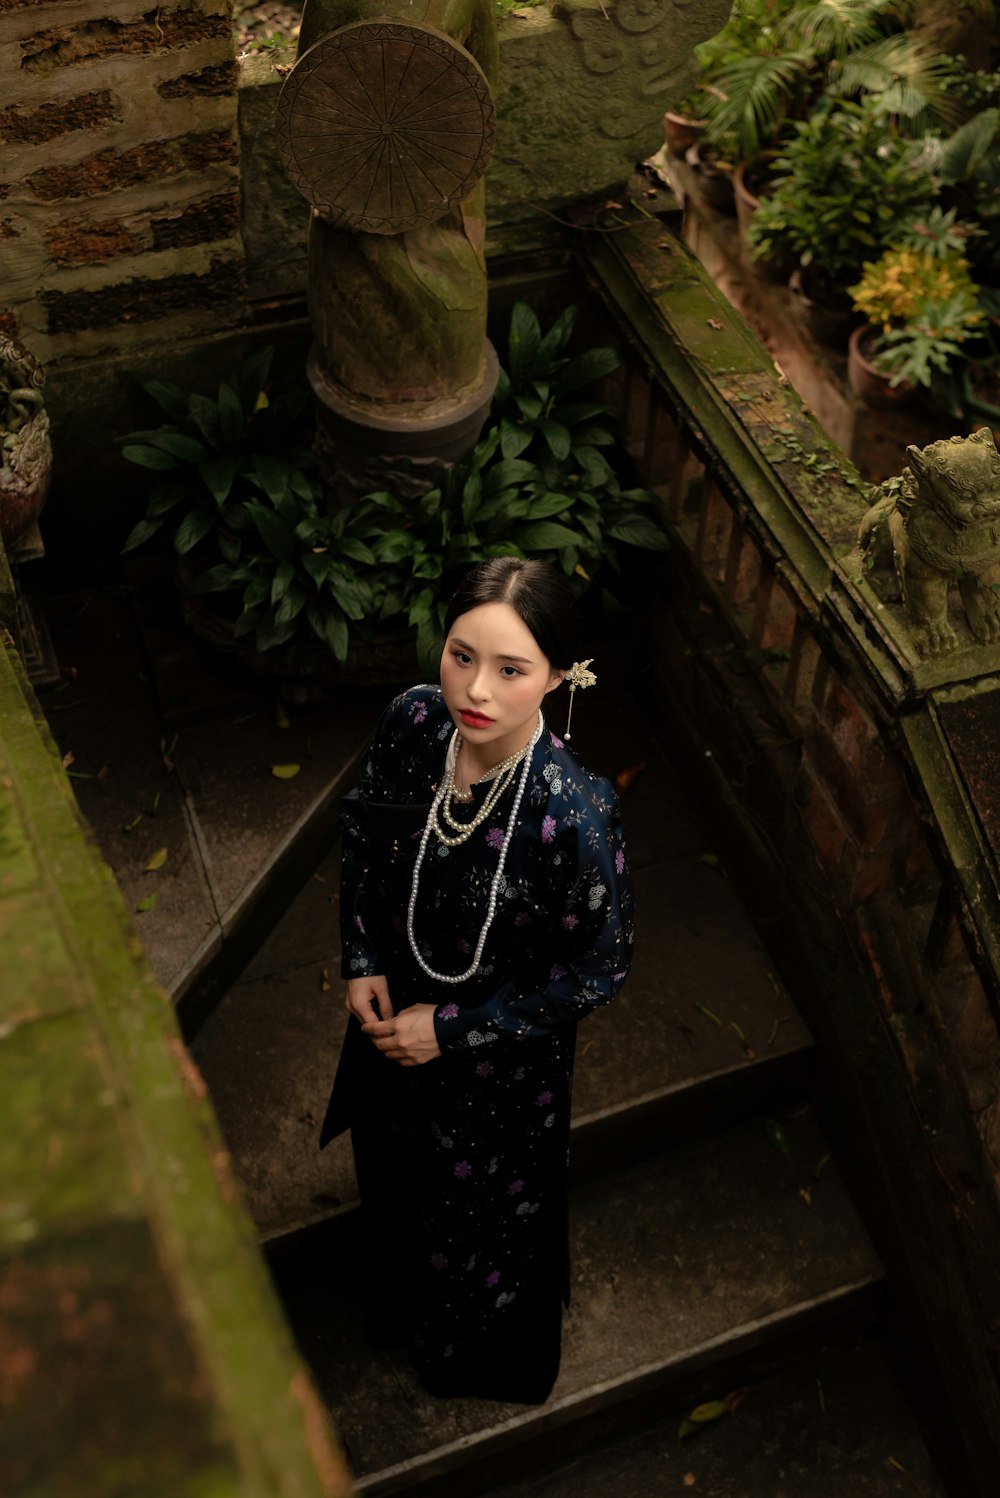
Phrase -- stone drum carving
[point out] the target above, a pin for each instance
(382, 126)
(25, 448)
(942, 517)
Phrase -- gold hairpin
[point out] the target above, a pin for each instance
(577, 676)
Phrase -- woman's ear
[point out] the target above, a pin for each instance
(556, 679)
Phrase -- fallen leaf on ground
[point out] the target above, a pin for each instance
(281, 714)
(69, 758)
(324, 980)
(285, 772)
(146, 904)
(626, 779)
(716, 323)
(777, 1136)
(157, 861)
(689, 1479)
(806, 1195)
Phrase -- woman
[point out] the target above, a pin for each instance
(486, 909)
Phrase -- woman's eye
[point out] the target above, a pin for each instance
(510, 670)
(461, 657)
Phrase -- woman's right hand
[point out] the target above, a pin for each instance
(368, 998)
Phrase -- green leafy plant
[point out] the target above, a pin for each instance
(774, 60)
(538, 484)
(239, 493)
(846, 186)
(217, 458)
(924, 307)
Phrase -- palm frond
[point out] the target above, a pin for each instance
(972, 145)
(919, 74)
(835, 27)
(752, 98)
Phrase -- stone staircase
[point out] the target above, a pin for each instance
(714, 1246)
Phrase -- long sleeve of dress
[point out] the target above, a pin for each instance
(591, 909)
(359, 956)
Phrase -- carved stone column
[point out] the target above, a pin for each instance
(386, 124)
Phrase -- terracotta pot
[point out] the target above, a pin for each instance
(774, 268)
(715, 181)
(869, 383)
(828, 311)
(680, 132)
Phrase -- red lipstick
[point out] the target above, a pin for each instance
(474, 720)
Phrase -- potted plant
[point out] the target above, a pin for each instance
(237, 493)
(921, 308)
(268, 576)
(846, 186)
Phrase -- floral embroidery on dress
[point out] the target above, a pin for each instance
(548, 829)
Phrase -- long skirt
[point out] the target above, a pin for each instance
(462, 1166)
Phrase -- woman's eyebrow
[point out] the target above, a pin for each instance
(520, 660)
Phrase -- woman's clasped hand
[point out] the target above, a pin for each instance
(407, 1037)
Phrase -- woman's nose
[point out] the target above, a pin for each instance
(479, 688)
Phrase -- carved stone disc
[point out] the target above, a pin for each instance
(382, 126)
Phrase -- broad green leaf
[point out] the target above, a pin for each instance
(214, 580)
(247, 622)
(149, 457)
(163, 498)
(195, 525)
(570, 413)
(285, 772)
(545, 535)
(548, 504)
(230, 547)
(558, 335)
(272, 529)
(595, 436)
(393, 546)
(141, 532)
(592, 365)
(180, 445)
(157, 861)
(232, 421)
(270, 635)
(205, 415)
(336, 635)
(218, 476)
(514, 438)
(318, 567)
(530, 406)
(256, 592)
(511, 471)
(357, 550)
(525, 338)
(290, 606)
(273, 475)
(557, 436)
(640, 532)
(284, 572)
(168, 396)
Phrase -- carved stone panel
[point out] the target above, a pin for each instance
(384, 125)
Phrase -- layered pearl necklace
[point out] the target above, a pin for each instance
(442, 805)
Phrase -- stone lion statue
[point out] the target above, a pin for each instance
(942, 517)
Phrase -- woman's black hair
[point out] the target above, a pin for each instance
(539, 595)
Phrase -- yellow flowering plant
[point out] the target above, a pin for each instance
(924, 306)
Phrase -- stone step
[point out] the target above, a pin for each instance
(654, 1069)
(689, 1272)
(834, 1424)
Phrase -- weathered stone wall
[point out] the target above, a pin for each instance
(142, 1347)
(853, 783)
(119, 173)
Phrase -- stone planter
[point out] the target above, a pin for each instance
(869, 383)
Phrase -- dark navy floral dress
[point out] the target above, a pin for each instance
(462, 1162)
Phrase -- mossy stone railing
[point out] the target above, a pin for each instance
(142, 1348)
(853, 785)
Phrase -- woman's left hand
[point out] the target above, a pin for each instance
(408, 1037)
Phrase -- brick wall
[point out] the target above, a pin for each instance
(119, 186)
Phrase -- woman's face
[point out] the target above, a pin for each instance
(494, 676)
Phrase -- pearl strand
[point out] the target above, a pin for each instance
(465, 829)
(492, 906)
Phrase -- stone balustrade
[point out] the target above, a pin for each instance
(143, 1350)
(851, 777)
